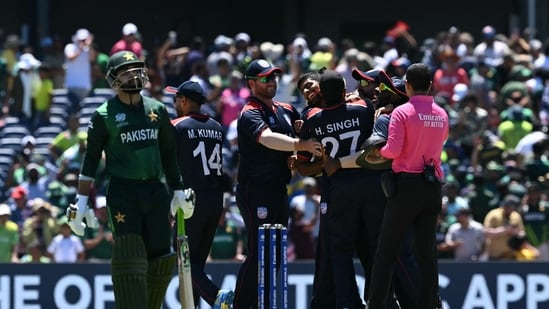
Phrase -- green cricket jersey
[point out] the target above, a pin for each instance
(139, 142)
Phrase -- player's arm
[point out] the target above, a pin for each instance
(307, 164)
(96, 141)
(97, 136)
(168, 152)
(278, 141)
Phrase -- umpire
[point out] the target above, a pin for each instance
(414, 194)
(265, 141)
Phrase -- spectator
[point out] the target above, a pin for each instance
(41, 226)
(36, 253)
(523, 250)
(466, 237)
(197, 50)
(129, 41)
(516, 127)
(453, 201)
(9, 236)
(221, 80)
(449, 74)
(444, 251)
(500, 225)
(71, 159)
(300, 234)
(22, 89)
(241, 54)
(535, 215)
(471, 121)
(67, 138)
(35, 184)
(43, 97)
(228, 242)
(222, 47)
(65, 247)
(79, 54)
(490, 50)
(537, 165)
(232, 100)
(54, 57)
(10, 54)
(481, 199)
(170, 62)
(308, 202)
(20, 209)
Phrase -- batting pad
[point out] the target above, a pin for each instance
(158, 277)
(129, 272)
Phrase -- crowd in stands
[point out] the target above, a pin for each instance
(494, 87)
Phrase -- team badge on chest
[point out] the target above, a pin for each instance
(262, 212)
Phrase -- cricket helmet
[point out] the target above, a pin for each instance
(126, 72)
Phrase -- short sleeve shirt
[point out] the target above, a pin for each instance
(258, 163)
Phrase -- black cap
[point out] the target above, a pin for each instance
(260, 68)
(189, 89)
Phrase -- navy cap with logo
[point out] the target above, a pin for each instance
(260, 68)
(189, 89)
(399, 84)
(389, 82)
(370, 75)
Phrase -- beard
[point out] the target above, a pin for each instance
(133, 86)
(268, 92)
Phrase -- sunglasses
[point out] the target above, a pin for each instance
(364, 83)
(266, 79)
(383, 87)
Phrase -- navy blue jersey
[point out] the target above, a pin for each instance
(258, 163)
(199, 145)
(341, 129)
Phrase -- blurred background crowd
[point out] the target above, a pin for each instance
(493, 85)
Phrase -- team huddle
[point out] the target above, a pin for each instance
(379, 180)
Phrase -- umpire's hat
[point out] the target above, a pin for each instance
(377, 140)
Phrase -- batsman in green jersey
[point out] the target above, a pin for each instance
(135, 134)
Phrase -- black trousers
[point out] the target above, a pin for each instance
(201, 229)
(259, 203)
(416, 204)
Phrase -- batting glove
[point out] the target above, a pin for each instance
(75, 214)
(184, 200)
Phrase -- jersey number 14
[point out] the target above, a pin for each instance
(209, 163)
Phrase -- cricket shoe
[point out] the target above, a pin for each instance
(224, 300)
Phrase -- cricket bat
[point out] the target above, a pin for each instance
(184, 264)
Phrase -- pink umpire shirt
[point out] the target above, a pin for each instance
(417, 132)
